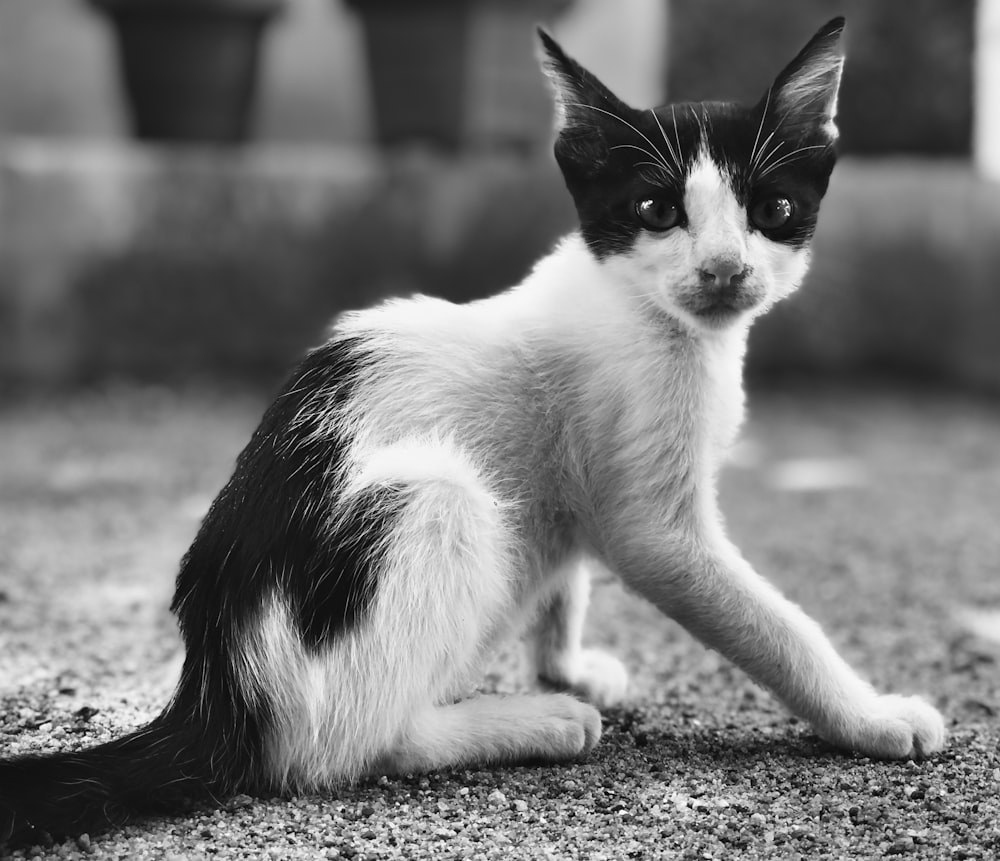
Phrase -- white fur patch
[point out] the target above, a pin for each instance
(663, 269)
(717, 222)
(414, 462)
(441, 596)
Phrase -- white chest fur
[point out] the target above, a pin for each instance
(644, 380)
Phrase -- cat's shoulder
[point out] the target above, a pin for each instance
(565, 290)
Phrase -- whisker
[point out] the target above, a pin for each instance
(623, 122)
(760, 128)
(677, 136)
(664, 174)
(794, 155)
(670, 149)
(762, 156)
(767, 156)
(656, 157)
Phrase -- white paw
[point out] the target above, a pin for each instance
(895, 727)
(568, 727)
(594, 676)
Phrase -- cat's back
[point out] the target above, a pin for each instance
(429, 364)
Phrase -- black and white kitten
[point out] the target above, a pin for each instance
(435, 475)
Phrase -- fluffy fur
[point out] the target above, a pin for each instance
(437, 475)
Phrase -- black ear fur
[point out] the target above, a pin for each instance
(587, 112)
(804, 96)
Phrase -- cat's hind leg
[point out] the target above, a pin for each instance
(560, 658)
(495, 729)
(453, 578)
(382, 695)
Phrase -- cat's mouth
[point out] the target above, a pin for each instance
(721, 307)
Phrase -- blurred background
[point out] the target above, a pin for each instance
(189, 189)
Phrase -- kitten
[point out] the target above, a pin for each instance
(435, 474)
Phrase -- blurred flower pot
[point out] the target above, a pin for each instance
(457, 74)
(189, 67)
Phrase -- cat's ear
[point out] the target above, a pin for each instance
(804, 95)
(586, 111)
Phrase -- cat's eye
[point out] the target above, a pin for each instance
(657, 213)
(771, 213)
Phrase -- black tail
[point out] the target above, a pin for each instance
(154, 770)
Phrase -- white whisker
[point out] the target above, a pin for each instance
(677, 136)
(623, 122)
(794, 155)
(670, 149)
(656, 157)
(767, 156)
(760, 128)
(762, 155)
(652, 164)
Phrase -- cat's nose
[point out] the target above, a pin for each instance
(723, 272)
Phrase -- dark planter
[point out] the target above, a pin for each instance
(457, 74)
(189, 67)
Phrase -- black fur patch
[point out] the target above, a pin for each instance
(275, 530)
(269, 534)
(339, 586)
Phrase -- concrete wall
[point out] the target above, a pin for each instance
(181, 266)
(124, 260)
(906, 277)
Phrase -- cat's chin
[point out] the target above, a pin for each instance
(703, 312)
(712, 319)
(719, 321)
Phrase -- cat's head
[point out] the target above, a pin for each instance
(706, 209)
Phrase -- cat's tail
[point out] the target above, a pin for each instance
(161, 768)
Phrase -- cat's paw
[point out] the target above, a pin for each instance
(897, 727)
(599, 678)
(568, 727)
(593, 675)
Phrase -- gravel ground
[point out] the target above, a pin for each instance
(876, 510)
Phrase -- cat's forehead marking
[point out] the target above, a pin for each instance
(710, 202)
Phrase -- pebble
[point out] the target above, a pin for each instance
(901, 846)
(240, 801)
(496, 798)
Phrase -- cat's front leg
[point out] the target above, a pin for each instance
(706, 585)
(560, 658)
